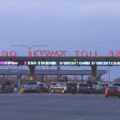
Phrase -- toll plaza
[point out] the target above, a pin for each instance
(32, 62)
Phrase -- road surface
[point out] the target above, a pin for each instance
(58, 107)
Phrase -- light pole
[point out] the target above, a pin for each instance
(29, 48)
(31, 68)
(69, 50)
(108, 74)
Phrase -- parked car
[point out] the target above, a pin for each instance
(52, 85)
(72, 88)
(116, 84)
(95, 87)
(7, 87)
(10, 88)
(44, 87)
(60, 87)
(32, 86)
(83, 88)
(112, 91)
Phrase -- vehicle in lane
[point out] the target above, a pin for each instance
(60, 87)
(112, 91)
(83, 88)
(71, 88)
(44, 88)
(6, 87)
(32, 86)
(96, 87)
(116, 84)
(52, 85)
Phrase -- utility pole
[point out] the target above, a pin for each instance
(108, 74)
(31, 68)
(29, 47)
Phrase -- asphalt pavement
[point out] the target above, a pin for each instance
(58, 107)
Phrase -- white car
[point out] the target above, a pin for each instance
(60, 87)
(52, 85)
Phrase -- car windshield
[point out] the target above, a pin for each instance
(116, 84)
(71, 84)
(112, 88)
(53, 83)
(41, 85)
(83, 85)
(61, 84)
(95, 83)
(31, 83)
(104, 85)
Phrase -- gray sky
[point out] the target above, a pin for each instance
(83, 24)
(80, 24)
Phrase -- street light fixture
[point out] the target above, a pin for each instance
(69, 51)
(29, 48)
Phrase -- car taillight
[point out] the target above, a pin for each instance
(106, 91)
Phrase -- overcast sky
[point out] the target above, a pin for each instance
(79, 24)
(83, 24)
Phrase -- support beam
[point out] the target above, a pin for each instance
(58, 72)
(99, 77)
(19, 81)
(43, 78)
(3, 76)
(94, 70)
(82, 78)
(31, 72)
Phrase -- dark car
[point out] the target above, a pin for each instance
(95, 87)
(7, 87)
(112, 91)
(44, 87)
(71, 88)
(83, 88)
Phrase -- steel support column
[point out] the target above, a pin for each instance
(82, 78)
(31, 72)
(94, 70)
(19, 81)
(58, 72)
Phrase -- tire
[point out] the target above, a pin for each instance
(74, 92)
(106, 96)
(62, 91)
(25, 91)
